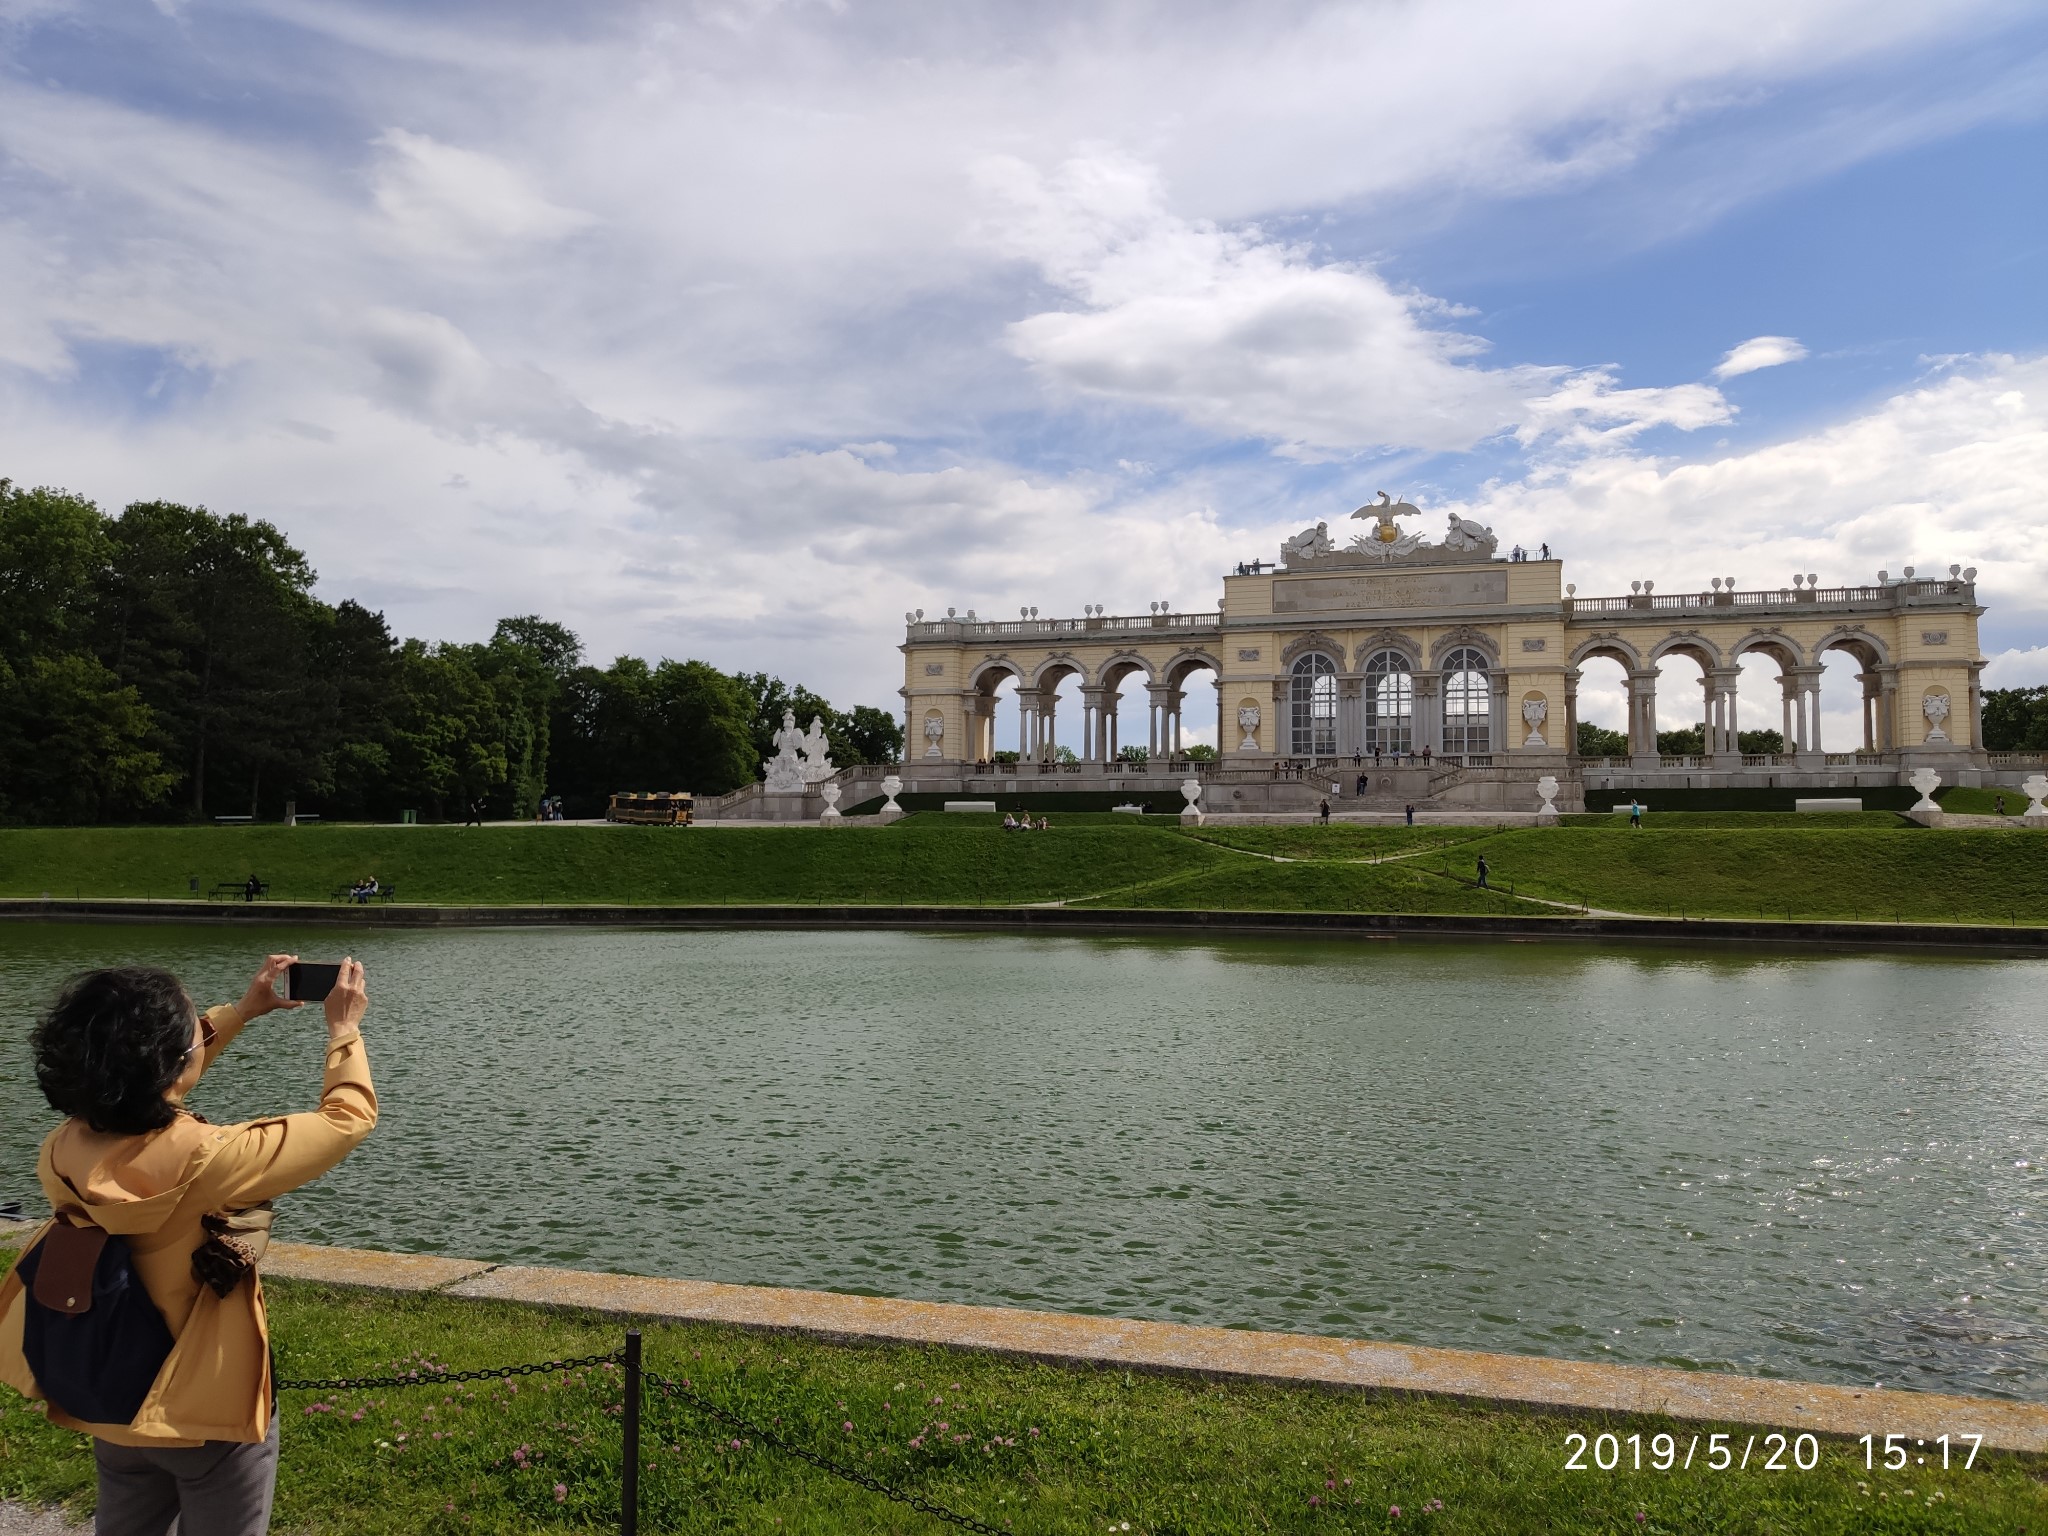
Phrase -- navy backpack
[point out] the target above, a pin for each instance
(90, 1333)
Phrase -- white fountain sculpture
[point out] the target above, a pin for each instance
(891, 788)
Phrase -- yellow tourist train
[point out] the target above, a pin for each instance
(652, 809)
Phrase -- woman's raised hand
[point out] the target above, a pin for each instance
(262, 998)
(348, 1002)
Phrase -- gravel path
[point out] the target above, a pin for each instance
(34, 1520)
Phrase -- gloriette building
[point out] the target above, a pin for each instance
(1386, 649)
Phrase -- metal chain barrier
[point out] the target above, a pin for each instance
(636, 1378)
(446, 1378)
(826, 1464)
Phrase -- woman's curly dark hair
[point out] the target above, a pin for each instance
(111, 1045)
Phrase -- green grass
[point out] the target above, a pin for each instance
(1040, 1449)
(1729, 864)
(957, 859)
(1905, 873)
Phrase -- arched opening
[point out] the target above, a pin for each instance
(1388, 702)
(1861, 719)
(1600, 712)
(1312, 707)
(1772, 701)
(1056, 730)
(995, 730)
(1684, 729)
(1193, 710)
(1468, 704)
(1123, 703)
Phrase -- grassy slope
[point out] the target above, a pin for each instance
(1871, 866)
(1894, 870)
(1161, 1454)
(958, 859)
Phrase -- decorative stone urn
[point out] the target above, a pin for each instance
(2036, 790)
(1546, 814)
(1935, 708)
(1534, 712)
(829, 793)
(891, 788)
(1925, 810)
(1191, 791)
(1248, 722)
(934, 733)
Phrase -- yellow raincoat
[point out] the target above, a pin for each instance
(153, 1189)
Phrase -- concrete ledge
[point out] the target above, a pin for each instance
(1054, 919)
(1290, 1359)
(369, 1268)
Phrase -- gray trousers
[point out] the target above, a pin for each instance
(221, 1488)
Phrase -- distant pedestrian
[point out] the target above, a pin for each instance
(1326, 812)
(251, 889)
(1546, 551)
(1362, 782)
(1425, 756)
(1483, 872)
(2001, 805)
(476, 814)
(1411, 815)
(1635, 814)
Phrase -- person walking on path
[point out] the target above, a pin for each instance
(1635, 814)
(1483, 872)
(1326, 812)
(1411, 815)
(476, 814)
(116, 1054)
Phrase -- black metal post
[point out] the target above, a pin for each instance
(629, 1491)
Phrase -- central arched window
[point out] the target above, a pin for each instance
(1389, 703)
(1468, 704)
(1314, 699)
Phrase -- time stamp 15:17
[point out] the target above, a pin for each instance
(1772, 1452)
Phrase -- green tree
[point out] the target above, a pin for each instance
(74, 743)
(1596, 741)
(209, 619)
(1756, 742)
(1686, 743)
(54, 554)
(868, 735)
(2016, 719)
(1200, 752)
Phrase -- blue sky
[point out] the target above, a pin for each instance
(736, 329)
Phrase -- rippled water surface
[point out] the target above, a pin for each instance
(1818, 1166)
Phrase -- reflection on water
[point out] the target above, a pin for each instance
(1825, 1167)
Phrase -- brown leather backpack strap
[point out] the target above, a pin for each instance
(70, 1253)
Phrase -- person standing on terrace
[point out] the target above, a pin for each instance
(116, 1054)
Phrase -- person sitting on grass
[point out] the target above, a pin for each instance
(116, 1054)
(1009, 822)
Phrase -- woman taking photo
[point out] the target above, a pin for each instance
(116, 1054)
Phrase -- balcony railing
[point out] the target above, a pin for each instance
(1026, 629)
(1888, 595)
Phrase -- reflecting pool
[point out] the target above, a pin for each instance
(1823, 1166)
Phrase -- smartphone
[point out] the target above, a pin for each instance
(305, 983)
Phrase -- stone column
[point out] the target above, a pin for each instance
(1803, 688)
(1888, 709)
(1225, 742)
(1091, 724)
(1048, 725)
(1571, 713)
(1642, 717)
(1721, 717)
(1350, 715)
(1497, 712)
(1429, 713)
(1976, 715)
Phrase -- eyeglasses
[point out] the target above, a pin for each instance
(206, 1036)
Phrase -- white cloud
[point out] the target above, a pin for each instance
(1954, 470)
(446, 201)
(1759, 352)
(1250, 336)
(2020, 667)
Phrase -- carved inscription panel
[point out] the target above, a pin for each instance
(1389, 590)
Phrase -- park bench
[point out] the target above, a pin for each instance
(344, 893)
(238, 890)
